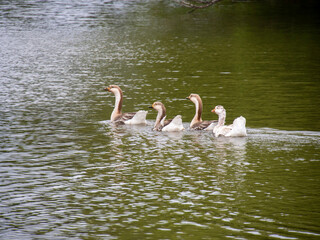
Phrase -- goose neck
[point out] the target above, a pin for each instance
(118, 102)
(117, 106)
(161, 114)
(197, 116)
(222, 118)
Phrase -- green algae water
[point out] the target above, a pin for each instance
(68, 173)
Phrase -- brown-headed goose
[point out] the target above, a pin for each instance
(124, 118)
(237, 129)
(161, 124)
(197, 123)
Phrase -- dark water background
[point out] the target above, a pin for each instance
(66, 173)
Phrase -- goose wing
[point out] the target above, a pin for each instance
(225, 130)
(124, 117)
(167, 122)
(174, 125)
(207, 125)
(163, 124)
(238, 128)
(128, 116)
(133, 117)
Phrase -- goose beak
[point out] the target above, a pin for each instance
(188, 98)
(213, 110)
(150, 107)
(107, 89)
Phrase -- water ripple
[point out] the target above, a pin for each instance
(65, 174)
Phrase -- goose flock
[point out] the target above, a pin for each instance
(218, 127)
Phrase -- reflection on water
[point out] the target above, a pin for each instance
(67, 173)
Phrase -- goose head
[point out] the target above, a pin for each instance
(195, 98)
(116, 90)
(158, 106)
(218, 110)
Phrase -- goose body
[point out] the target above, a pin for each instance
(124, 118)
(237, 129)
(161, 124)
(197, 123)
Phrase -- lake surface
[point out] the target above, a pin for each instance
(68, 173)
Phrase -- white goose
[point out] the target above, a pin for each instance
(237, 129)
(197, 123)
(161, 124)
(124, 118)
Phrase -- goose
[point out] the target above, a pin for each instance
(124, 118)
(161, 124)
(237, 129)
(197, 123)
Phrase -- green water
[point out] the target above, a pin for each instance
(67, 173)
